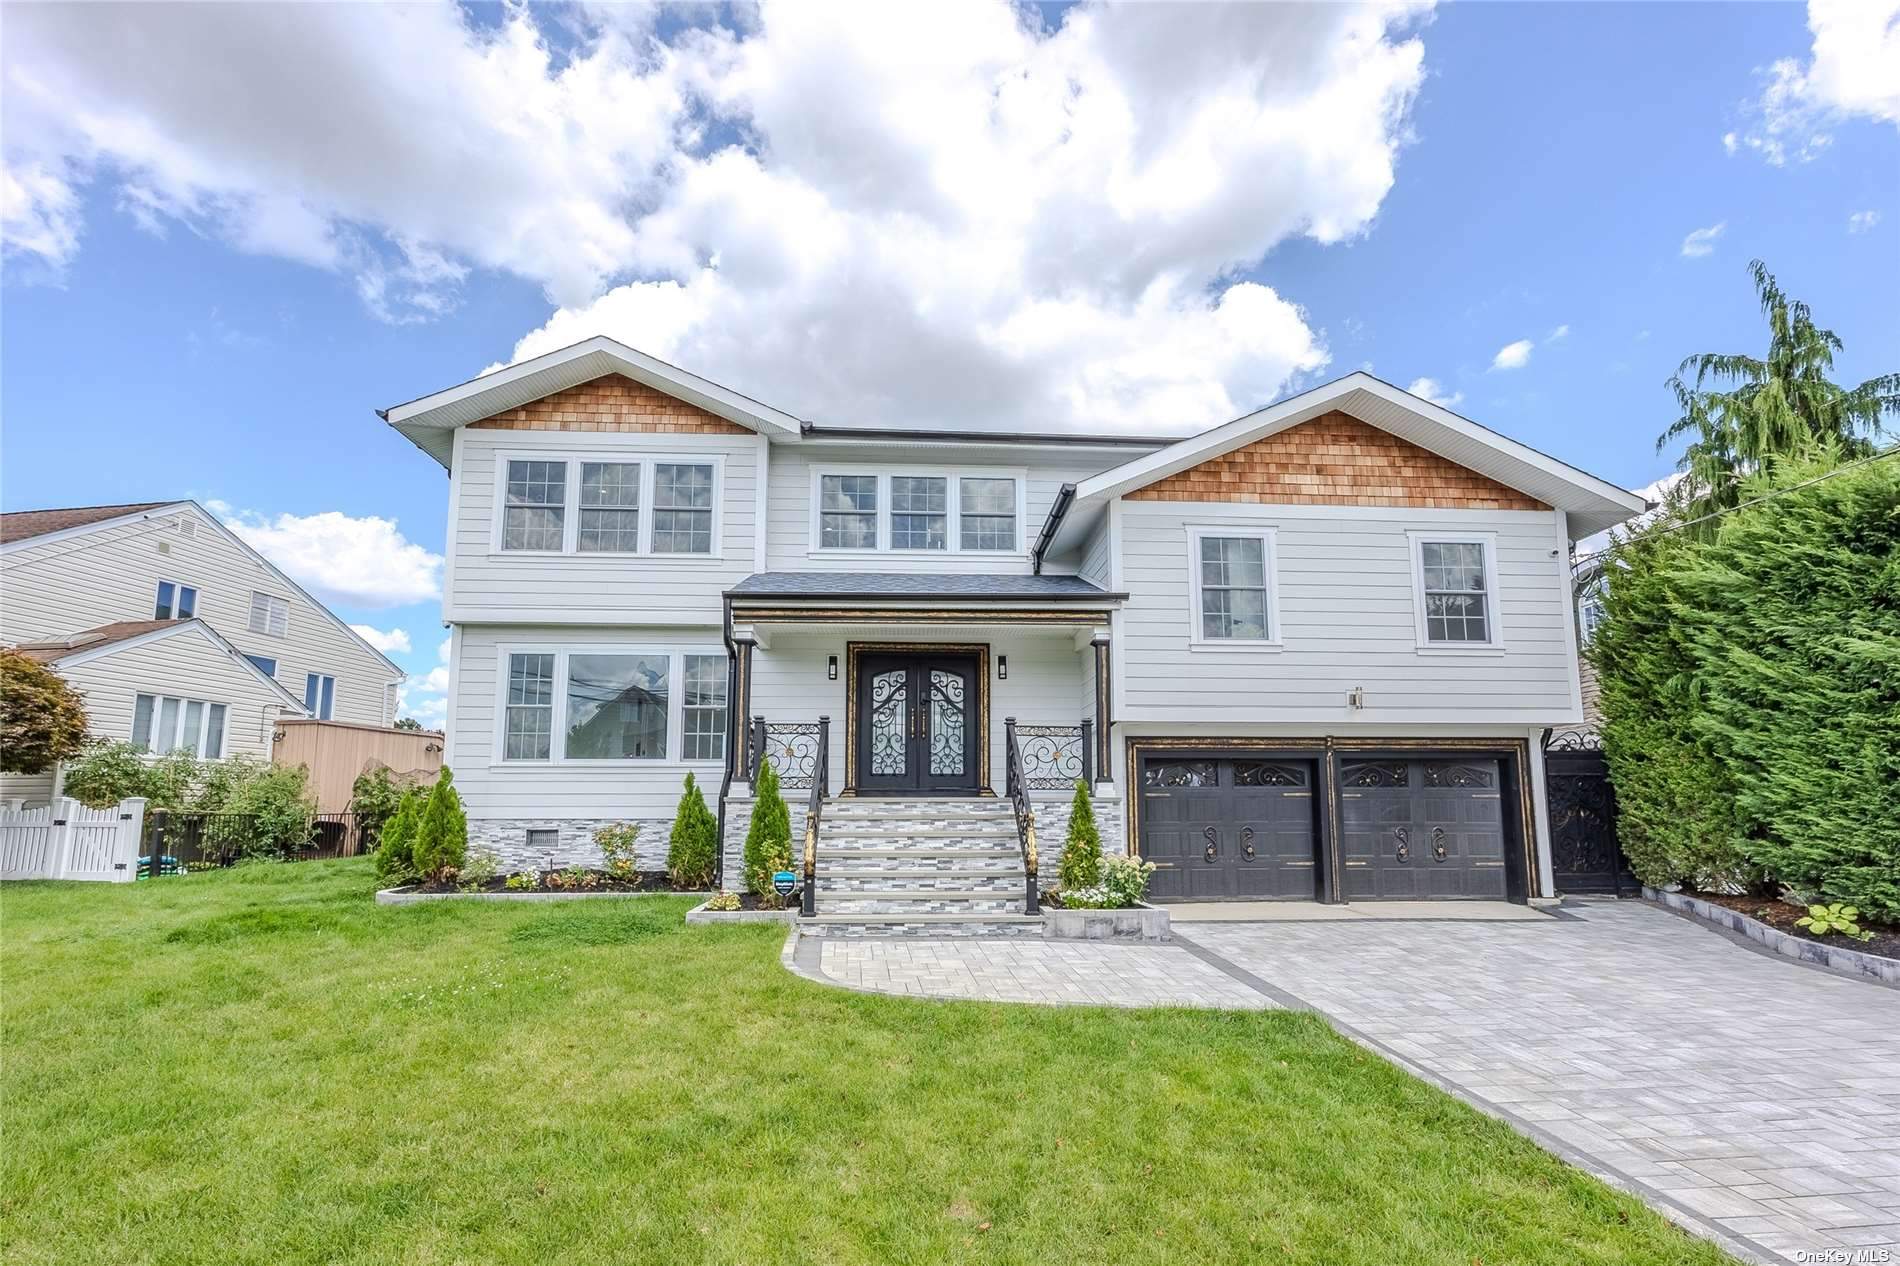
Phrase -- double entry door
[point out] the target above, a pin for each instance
(919, 722)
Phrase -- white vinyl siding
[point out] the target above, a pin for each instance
(59, 587)
(1348, 617)
(186, 666)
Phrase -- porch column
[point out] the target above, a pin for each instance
(1104, 746)
(738, 707)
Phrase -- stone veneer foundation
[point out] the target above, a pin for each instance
(508, 839)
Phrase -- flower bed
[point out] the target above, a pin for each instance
(1781, 916)
(573, 879)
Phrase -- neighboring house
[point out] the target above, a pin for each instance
(1308, 654)
(144, 607)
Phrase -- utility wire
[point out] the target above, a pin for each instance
(1779, 492)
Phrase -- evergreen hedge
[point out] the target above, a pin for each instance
(1751, 692)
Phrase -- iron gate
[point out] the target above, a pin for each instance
(1585, 856)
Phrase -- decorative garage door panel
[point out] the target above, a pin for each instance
(1421, 829)
(1229, 828)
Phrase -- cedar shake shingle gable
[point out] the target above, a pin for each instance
(1336, 460)
(21, 525)
(612, 402)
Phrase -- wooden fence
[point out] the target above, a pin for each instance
(66, 840)
(335, 752)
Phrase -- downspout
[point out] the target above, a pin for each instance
(732, 736)
(1057, 512)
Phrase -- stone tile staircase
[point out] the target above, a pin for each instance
(945, 867)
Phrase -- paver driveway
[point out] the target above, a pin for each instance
(1755, 1095)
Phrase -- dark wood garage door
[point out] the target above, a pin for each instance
(1421, 828)
(1229, 828)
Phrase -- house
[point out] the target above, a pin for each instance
(1305, 655)
(177, 632)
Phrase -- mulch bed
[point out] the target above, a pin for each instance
(1780, 915)
(648, 881)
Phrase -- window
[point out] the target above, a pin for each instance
(610, 508)
(616, 707)
(265, 664)
(1457, 600)
(612, 703)
(987, 513)
(319, 693)
(529, 732)
(533, 514)
(682, 508)
(175, 601)
(269, 615)
(920, 512)
(161, 724)
(847, 517)
(1233, 587)
(704, 725)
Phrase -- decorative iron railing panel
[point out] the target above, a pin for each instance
(791, 748)
(1055, 757)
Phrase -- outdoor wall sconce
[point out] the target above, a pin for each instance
(1002, 668)
(831, 669)
(1356, 698)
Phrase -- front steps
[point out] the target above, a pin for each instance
(926, 867)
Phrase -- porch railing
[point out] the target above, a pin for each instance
(815, 806)
(1056, 756)
(791, 748)
(1017, 786)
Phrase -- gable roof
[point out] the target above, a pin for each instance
(1592, 504)
(430, 421)
(21, 525)
(155, 509)
(122, 635)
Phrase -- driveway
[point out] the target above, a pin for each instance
(1753, 1099)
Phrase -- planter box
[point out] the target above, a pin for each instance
(1141, 923)
(700, 914)
(409, 897)
(1836, 958)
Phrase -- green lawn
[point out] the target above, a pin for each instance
(262, 1066)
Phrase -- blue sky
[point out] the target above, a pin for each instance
(208, 295)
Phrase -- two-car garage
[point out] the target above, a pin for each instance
(1291, 823)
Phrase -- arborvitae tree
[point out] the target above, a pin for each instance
(1081, 865)
(693, 851)
(441, 841)
(768, 837)
(395, 856)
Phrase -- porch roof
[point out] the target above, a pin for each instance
(913, 586)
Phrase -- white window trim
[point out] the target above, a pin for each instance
(158, 707)
(265, 631)
(557, 746)
(315, 708)
(953, 510)
(178, 587)
(1494, 610)
(647, 460)
(1269, 538)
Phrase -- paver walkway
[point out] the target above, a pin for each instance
(1749, 1097)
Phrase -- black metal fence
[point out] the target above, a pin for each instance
(181, 842)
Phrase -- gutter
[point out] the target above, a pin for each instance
(983, 437)
(1057, 512)
(732, 732)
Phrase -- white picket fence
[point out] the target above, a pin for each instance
(66, 840)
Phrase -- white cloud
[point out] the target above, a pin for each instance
(1701, 242)
(386, 642)
(933, 214)
(1853, 71)
(426, 697)
(1861, 221)
(365, 562)
(1558, 335)
(1513, 355)
(1430, 389)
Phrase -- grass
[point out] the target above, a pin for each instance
(262, 1066)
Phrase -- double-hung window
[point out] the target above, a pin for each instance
(920, 512)
(1456, 591)
(610, 508)
(162, 723)
(847, 511)
(319, 695)
(534, 512)
(1232, 572)
(682, 508)
(987, 513)
(175, 601)
(602, 703)
(270, 615)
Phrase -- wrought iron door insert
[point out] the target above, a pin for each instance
(918, 724)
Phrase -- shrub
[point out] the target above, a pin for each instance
(768, 837)
(107, 773)
(395, 855)
(1081, 865)
(441, 841)
(374, 796)
(42, 719)
(724, 901)
(522, 881)
(277, 799)
(693, 852)
(617, 848)
(482, 865)
(1124, 884)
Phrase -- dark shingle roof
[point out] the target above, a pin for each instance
(52, 649)
(19, 525)
(864, 584)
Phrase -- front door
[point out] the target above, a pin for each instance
(917, 724)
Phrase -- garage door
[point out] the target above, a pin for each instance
(1229, 828)
(1421, 828)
